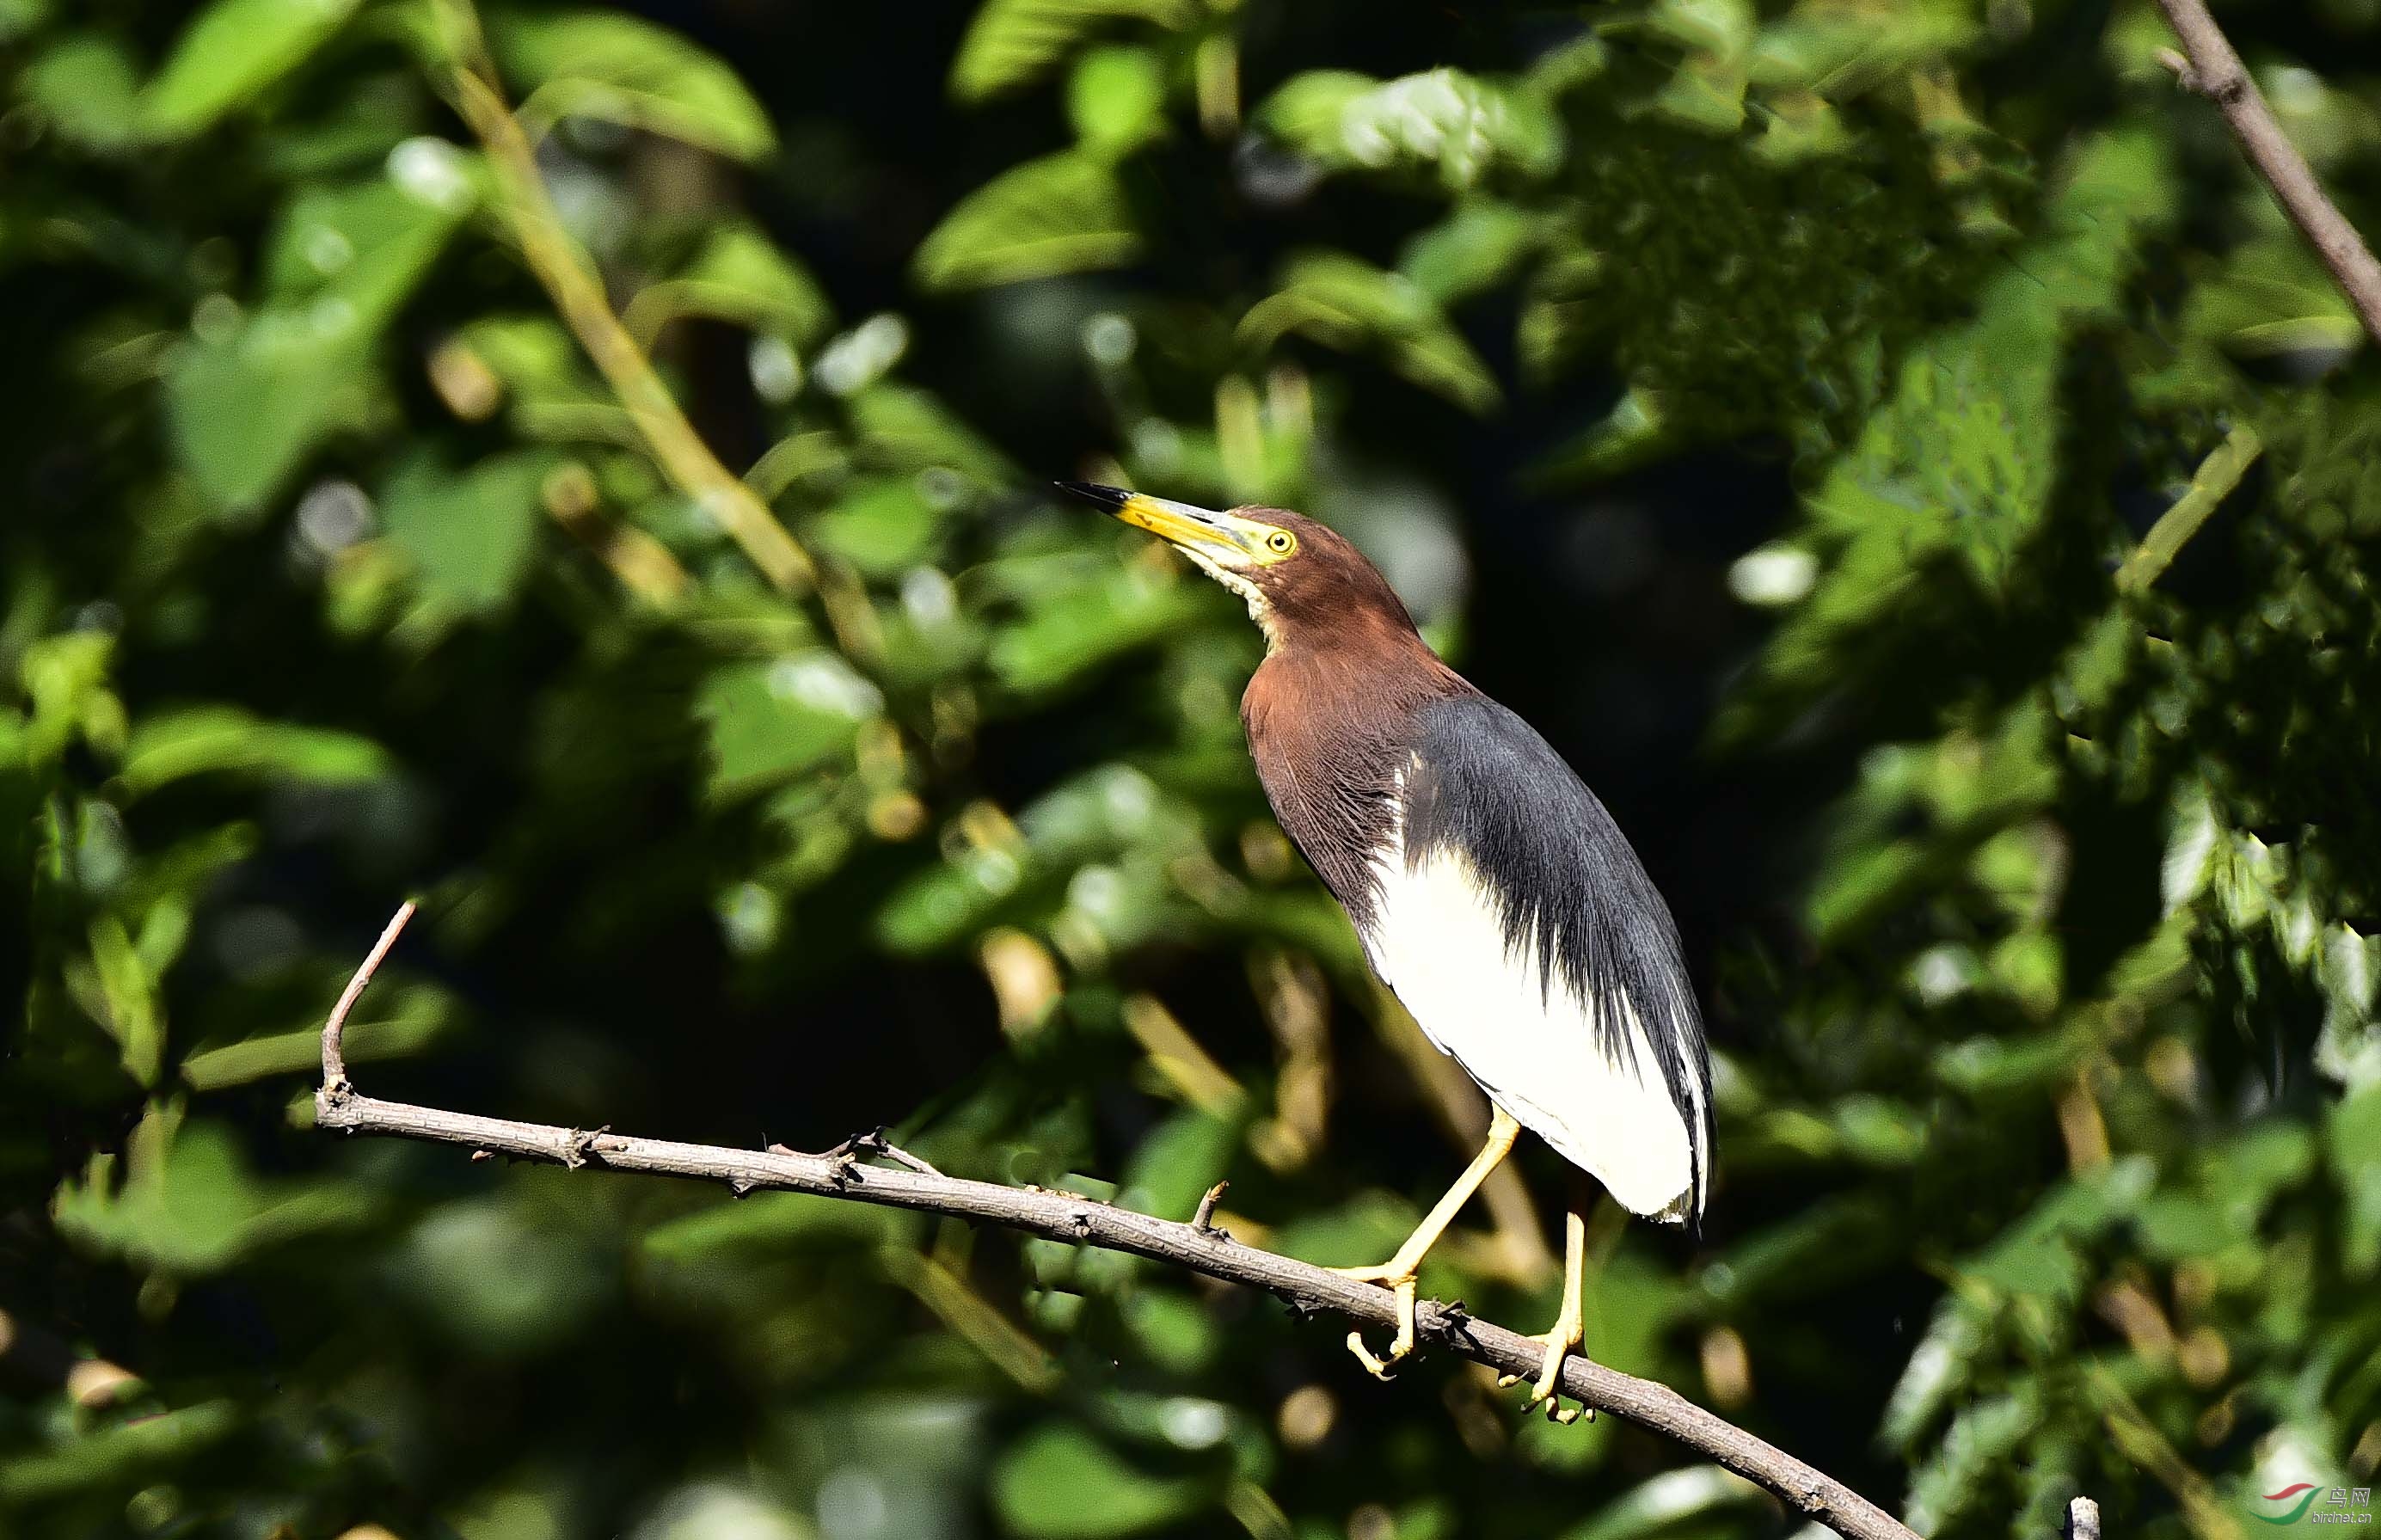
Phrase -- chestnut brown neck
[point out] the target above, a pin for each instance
(1330, 728)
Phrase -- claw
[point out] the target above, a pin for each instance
(1402, 1344)
(1559, 1340)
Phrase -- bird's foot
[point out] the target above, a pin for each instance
(1559, 1340)
(1402, 1344)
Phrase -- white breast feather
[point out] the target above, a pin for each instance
(1434, 939)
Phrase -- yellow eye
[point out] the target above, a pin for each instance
(1281, 542)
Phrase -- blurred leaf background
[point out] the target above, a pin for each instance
(585, 465)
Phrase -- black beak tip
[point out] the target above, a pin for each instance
(1108, 497)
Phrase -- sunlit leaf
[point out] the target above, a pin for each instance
(232, 51)
(1346, 303)
(1475, 247)
(195, 1207)
(1011, 42)
(1666, 1499)
(741, 275)
(1116, 98)
(1059, 1482)
(169, 745)
(771, 720)
(1063, 214)
(468, 534)
(625, 69)
(1459, 127)
(400, 1021)
(781, 1221)
(85, 82)
(251, 399)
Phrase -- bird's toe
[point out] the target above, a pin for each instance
(1546, 1390)
(1402, 1344)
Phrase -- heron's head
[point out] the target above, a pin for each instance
(1305, 583)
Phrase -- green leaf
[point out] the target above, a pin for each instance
(85, 82)
(1063, 214)
(625, 70)
(1178, 1331)
(1475, 247)
(1651, 1506)
(769, 721)
(248, 404)
(1082, 630)
(2353, 1134)
(883, 527)
(397, 1022)
(192, 1206)
(902, 428)
(1964, 454)
(1116, 98)
(1460, 128)
(1943, 1364)
(1982, 1438)
(470, 535)
(1059, 1482)
(741, 275)
(774, 1222)
(367, 243)
(234, 50)
(1959, 463)
(2274, 297)
(132, 1015)
(118, 1455)
(1842, 52)
(247, 409)
(1346, 303)
(194, 740)
(1179, 1161)
(1011, 42)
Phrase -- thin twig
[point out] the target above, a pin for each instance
(2082, 1520)
(1075, 1220)
(570, 281)
(2213, 70)
(335, 1060)
(2217, 477)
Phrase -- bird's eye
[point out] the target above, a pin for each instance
(1281, 542)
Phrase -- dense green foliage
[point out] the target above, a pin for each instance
(1762, 397)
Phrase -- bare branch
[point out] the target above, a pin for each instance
(335, 1060)
(1075, 1220)
(2213, 70)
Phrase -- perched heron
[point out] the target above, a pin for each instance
(1492, 891)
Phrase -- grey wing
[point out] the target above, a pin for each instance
(1517, 924)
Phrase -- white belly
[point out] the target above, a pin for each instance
(1435, 939)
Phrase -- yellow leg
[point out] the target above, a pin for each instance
(1565, 1333)
(1399, 1270)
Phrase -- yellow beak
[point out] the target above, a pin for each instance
(1217, 536)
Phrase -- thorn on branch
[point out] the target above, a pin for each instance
(1301, 1310)
(580, 1147)
(1204, 1220)
(478, 1156)
(870, 1142)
